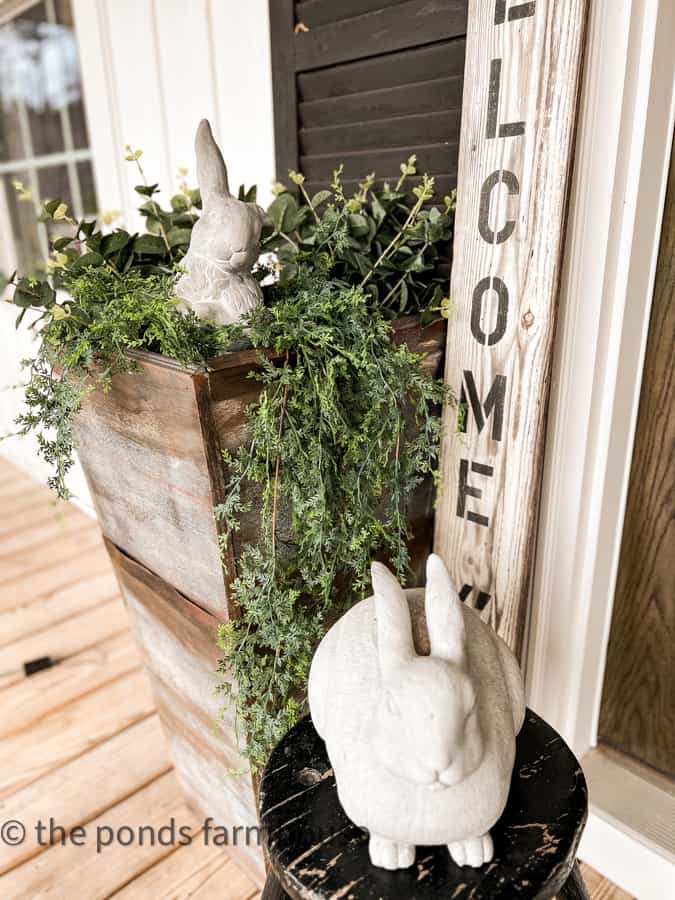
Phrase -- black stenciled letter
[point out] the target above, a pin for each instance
(481, 410)
(519, 11)
(509, 129)
(489, 283)
(468, 490)
(501, 176)
(481, 601)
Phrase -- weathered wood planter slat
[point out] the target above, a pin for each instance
(151, 451)
(177, 641)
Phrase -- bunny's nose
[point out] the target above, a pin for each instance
(452, 775)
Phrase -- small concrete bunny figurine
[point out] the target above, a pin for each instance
(422, 746)
(218, 284)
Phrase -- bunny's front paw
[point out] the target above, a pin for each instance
(472, 852)
(389, 855)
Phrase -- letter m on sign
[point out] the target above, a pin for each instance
(481, 409)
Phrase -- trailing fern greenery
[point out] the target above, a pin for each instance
(345, 428)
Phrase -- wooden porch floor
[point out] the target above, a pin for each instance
(80, 744)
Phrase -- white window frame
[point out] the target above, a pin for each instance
(31, 164)
(625, 130)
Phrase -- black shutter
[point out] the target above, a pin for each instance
(366, 83)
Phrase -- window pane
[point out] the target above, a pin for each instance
(11, 144)
(41, 114)
(54, 183)
(40, 79)
(24, 225)
(78, 122)
(64, 13)
(85, 174)
(78, 126)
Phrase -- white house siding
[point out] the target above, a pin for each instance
(151, 70)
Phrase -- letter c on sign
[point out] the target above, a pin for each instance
(490, 183)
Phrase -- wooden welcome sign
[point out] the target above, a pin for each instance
(521, 82)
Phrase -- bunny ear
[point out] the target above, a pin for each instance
(211, 169)
(445, 618)
(394, 632)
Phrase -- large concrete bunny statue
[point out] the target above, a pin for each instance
(422, 746)
(218, 284)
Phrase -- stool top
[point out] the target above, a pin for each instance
(317, 852)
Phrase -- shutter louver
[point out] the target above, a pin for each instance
(367, 83)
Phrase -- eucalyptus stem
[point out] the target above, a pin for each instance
(422, 194)
(136, 159)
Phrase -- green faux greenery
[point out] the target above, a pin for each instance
(84, 342)
(346, 425)
(120, 285)
(345, 428)
(115, 293)
(395, 249)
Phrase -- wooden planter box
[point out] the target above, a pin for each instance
(151, 451)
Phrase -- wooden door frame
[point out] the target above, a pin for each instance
(622, 156)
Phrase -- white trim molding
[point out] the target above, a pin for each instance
(621, 164)
(621, 855)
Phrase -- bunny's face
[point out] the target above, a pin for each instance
(229, 231)
(426, 727)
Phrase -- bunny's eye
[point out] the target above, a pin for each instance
(392, 705)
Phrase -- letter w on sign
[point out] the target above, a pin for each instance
(523, 62)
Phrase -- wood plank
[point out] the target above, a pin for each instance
(64, 640)
(436, 158)
(84, 592)
(31, 562)
(365, 107)
(602, 888)
(406, 131)
(321, 12)
(519, 111)
(411, 65)
(31, 515)
(18, 484)
(62, 520)
(197, 870)
(226, 882)
(32, 698)
(73, 871)
(16, 509)
(58, 575)
(158, 507)
(281, 15)
(71, 731)
(383, 30)
(87, 786)
(9, 471)
(637, 713)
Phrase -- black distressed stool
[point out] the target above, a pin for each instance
(316, 852)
